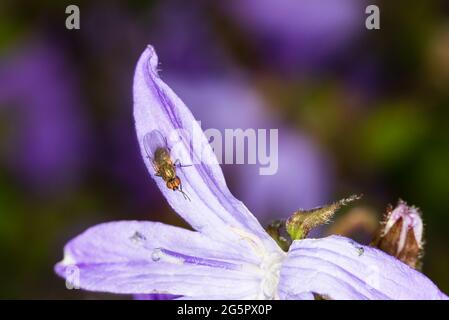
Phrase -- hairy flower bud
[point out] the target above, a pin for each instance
(402, 234)
(303, 221)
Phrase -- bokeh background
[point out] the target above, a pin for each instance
(358, 111)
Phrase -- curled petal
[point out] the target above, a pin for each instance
(152, 258)
(339, 268)
(212, 209)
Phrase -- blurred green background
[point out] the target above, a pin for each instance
(372, 106)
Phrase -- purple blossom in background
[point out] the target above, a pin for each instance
(39, 96)
(222, 102)
(229, 255)
(303, 179)
(196, 53)
(229, 102)
(299, 33)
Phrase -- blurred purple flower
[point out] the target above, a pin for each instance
(304, 175)
(304, 33)
(40, 98)
(222, 102)
(183, 34)
(303, 180)
(229, 256)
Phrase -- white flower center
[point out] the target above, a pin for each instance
(271, 269)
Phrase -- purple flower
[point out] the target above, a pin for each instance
(299, 33)
(192, 52)
(229, 255)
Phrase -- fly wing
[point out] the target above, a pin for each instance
(152, 141)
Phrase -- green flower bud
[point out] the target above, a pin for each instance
(303, 221)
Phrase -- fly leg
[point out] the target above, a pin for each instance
(179, 165)
(183, 193)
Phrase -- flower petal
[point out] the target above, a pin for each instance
(212, 208)
(339, 268)
(156, 296)
(132, 257)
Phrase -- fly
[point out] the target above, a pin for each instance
(158, 152)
